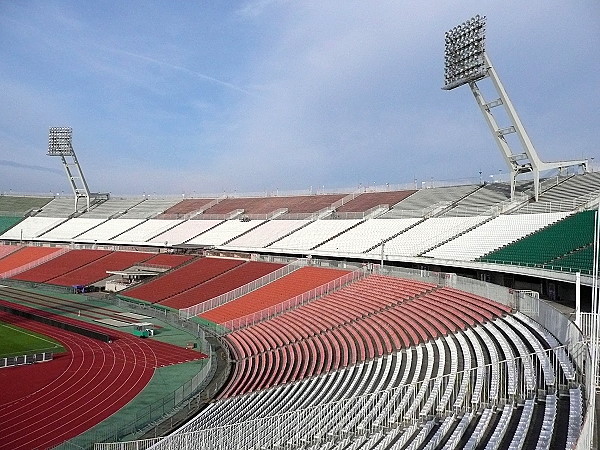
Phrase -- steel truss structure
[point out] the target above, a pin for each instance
(466, 62)
(60, 144)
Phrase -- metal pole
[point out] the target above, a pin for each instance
(578, 299)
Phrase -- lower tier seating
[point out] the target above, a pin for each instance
(397, 401)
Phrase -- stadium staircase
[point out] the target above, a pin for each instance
(94, 203)
(312, 218)
(420, 221)
(260, 222)
(372, 213)
(200, 234)
(451, 205)
(455, 236)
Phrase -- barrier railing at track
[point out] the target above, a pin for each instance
(199, 308)
(465, 392)
(145, 415)
(286, 428)
(19, 360)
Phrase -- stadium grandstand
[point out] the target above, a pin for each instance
(368, 319)
(459, 316)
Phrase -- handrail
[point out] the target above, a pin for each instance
(199, 308)
(268, 216)
(369, 213)
(151, 413)
(400, 406)
(32, 264)
(342, 201)
(228, 216)
(299, 300)
(562, 205)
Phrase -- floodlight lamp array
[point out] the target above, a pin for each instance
(464, 53)
(59, 141)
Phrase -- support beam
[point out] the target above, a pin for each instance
(468, 63)
(60, 144)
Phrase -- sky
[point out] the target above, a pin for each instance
(273, 96)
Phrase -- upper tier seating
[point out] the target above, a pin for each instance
(111, 207)
(314, 234)
(146, 230)
(96, 270)
(233, 279)
(108, 230)
(287, 287)
(566, 196)
(570, 234)
(70, 229)
(18, 206)
(149, 208)
(368, 200)
(7, 222)
(61, 265)
(578, 261)
(265, 205)
(425, 200)
(366, 235)
(31, 228)
(182, 278)
(224, 232)
(493, 235)
(24, 258)
(428, 234)
(185, 207)
(481, 201)
(184, 232)
(267, 233)
(61, 207)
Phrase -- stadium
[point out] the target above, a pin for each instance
(423, 316)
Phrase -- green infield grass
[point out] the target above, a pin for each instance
(15, 341)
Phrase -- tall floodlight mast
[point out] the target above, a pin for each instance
(468, 63)
(60, 144)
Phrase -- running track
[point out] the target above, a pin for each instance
(45, 404)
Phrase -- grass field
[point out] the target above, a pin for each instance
(15, 341)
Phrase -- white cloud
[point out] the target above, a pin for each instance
(288, 95)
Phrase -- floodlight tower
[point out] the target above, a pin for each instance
(60, 144)
(467, 63)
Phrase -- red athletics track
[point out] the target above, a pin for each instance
(45, 404)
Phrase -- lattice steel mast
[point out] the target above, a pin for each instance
(60, 144)
(466, 62)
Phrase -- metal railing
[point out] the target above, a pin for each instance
(554, 267)
(562, 205)
(186, 313)
(369, 213)
(279, 308)
(464, 392)
(587, 322)
(30, 358)
(146, 415)
(468, 390)
(37, 262)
